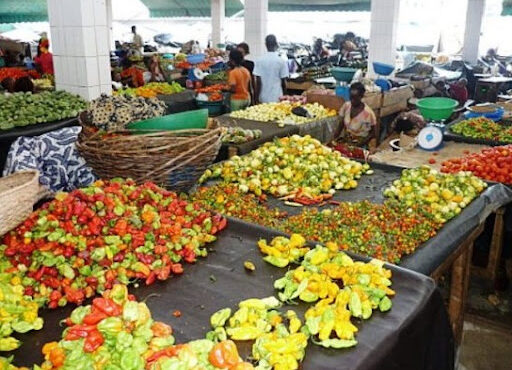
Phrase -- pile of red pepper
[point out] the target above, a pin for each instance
(384, 231)
(493, 164)
(86, 241)
(15, 73)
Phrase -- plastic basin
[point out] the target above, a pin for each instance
(383, 69)
(495, 116)
(196, 58)
(177, 121)
(214, 108)
(343, 73)
(436, 109)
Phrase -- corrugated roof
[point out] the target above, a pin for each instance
(188, 8)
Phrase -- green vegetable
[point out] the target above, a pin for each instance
(220, 317)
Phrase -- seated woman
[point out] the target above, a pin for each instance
(358, 121)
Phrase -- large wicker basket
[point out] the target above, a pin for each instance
(173, 159)
(18, 194)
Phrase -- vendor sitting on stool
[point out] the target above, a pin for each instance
(358, 121)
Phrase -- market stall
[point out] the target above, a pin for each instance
(414, 333)
(25, 114)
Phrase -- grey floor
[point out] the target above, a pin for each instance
(487, 340)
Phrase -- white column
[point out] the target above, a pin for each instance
(110, 29)
(384, 24)
(218, 11)
(80, 38)
(255, 16)
(474, 16)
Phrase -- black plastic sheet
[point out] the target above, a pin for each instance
(415, 334)
(449, 135)
(431, 254)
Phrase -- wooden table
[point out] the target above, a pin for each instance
(460, 261)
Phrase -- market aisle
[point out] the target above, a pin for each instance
(485, 348)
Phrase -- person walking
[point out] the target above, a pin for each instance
(271, 72)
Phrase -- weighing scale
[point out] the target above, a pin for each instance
(195, 74)
(382, 69)
(343, 76)
(435, 111)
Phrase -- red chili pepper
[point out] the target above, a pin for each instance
(94, 317)
(93, 341)
(107, 306)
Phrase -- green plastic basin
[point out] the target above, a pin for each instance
(176, 121)
(436, 109)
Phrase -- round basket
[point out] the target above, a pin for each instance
(173, 159)
(18, 194)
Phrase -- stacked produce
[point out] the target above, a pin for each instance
(365, 287)
(293, 98)
(445, 194)
(315, 72)
(153, 89)
(44, 83)
(118, 332)
(115, 112)
(18, 312)
(22, 109)
(298, 168)
(86, 241)
(385, 231)
(238, 135)
(493, 164)
(279, 341)
(219, 77)
(282, 113)
(15, 73)
(212, 92)
(230, 201)
(282, 251)
(483, 128)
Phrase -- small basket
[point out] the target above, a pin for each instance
(18, 194)
(173, 159)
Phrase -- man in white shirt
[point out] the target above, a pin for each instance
(271, 72)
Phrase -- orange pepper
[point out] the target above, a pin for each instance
(160, 329)
(148, 216)
(242, 366)
(224, 354)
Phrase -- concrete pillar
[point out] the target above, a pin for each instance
(218, 10)
(80, 39)
(255, 14)
(110, 28)
(384, 24)
(474, 16)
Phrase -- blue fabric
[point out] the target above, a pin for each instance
(55, 156)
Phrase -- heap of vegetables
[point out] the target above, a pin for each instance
(117, 332)
(365, 288)
(114, 231)
(152, 89)
(493, 164)
(282, 251)
(16, 72)
(445, 194)
(238, 135)
(25, 108)
(230, 201)
(483, 128)
(18, 312)
(385, 231)
(282, 112)
(279, 342)
(115, 112)
(298, 168)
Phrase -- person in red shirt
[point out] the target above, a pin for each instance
(44, 59)
(459, 91)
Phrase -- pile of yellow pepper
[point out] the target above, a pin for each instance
(282, 250)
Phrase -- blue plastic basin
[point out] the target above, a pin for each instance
(383, 69)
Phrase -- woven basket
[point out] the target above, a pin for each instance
(173, 159)
(18, 194)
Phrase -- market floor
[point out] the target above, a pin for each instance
(485, 347)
